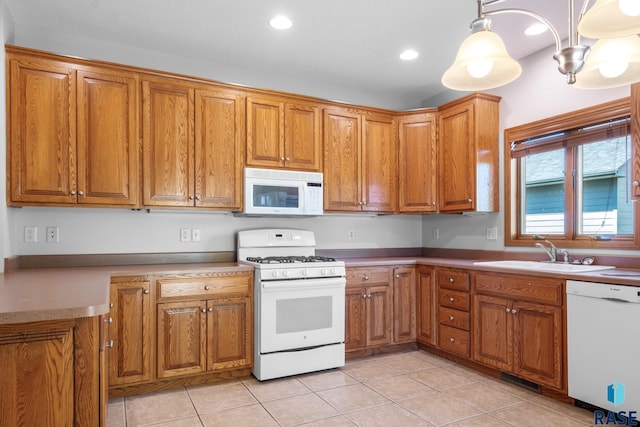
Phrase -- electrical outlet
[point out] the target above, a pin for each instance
(492, 233)
(53, 234)
(31, 234)
(195, 234)
(185, 235)
(436, 233)
(352, 234)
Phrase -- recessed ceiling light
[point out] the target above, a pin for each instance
(535, 29)
(280, 22)
(409, 55)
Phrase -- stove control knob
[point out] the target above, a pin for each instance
(284, 273)
(274, 273)
(323, 271)
(332, 271)
(305, 272)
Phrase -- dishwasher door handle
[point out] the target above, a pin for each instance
(617, 300)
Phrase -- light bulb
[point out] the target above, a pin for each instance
(479, 68)
(629, 7)
(613, 69)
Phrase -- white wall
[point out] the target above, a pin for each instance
(6, 29)
(540, 92)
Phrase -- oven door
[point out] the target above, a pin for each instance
(295, 314)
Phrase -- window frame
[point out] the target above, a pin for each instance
(513, 179)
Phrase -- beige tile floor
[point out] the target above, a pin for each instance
(403, 389)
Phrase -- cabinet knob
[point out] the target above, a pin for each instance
(109, 344)
(204, 310)
(288, 158)
(80, 193)
(368, 295)
(110, 305)
(470, 200)
(73, 193)
(190, 197)
(636, 184)
(198, 197)
(508, 310)
(433, 203)
(366, 277)
(514, 311)
(210, 310)
(146, 291)
(452, 299)
(108, 320)
(207, 287)
(397, 276)
(452, 340)
(451, 280)
(450, 317)
(364, 295)
(282, 159)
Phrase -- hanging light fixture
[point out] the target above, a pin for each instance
(483, 63)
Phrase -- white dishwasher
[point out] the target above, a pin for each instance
(603, 344)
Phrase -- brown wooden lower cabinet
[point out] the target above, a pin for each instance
(454, 334)
(426, 305)
(404, 304)
(171, 330)
(518, 326)
(51, 373)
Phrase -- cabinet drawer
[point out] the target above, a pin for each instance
(453, 279)
(456, 318)
(453, 299)
(454, 340)
(545, 290)
(368, 276)
(199, 287)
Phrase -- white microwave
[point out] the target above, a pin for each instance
(282, 192)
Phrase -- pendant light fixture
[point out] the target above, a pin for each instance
(483, 63)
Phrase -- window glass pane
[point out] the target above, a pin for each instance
(543, 192)
(604, 202)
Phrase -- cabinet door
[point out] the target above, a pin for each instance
(456, 152)
(42, 132)
(302, 142)
(265, 136)
(379, 307)
(537, 348)
(342, 191)
(182, 330)
(355, 319)
(426, 306)
(417, 174)
(168, 139)
(492, 329)
(229, 337)
(37, 381)
(130, 331)
(379, 164)
(404, 304)
(219, 143)
(107, 138)
(635, 138)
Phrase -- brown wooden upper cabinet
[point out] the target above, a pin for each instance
(73, 135)
(635, 138)
(468, 154)
(360, 161)
(193, 140)
(283, 134)
(417, 163)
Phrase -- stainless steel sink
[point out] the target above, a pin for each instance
(556, 267)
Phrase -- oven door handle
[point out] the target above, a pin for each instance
(290, 285)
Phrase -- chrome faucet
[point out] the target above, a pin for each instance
(552, 251)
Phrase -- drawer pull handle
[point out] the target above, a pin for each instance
(450, 317)
(109, 344)
(207, 287)
(452, 299)
(452, 340)
(146, 291)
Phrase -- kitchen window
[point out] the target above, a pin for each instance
(569, 178)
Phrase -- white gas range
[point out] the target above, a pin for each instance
(299, 303)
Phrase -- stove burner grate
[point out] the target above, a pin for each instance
(289, 259)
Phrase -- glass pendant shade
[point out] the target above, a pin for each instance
(612, 63)
(611, 18)
(482, 63)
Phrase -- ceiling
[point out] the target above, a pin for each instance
(345, 43)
